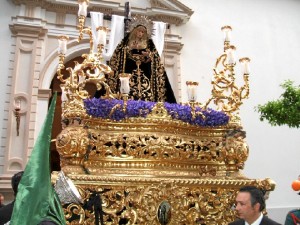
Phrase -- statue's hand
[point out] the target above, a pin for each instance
(146, 54)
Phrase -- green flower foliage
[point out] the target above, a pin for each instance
(285, 110)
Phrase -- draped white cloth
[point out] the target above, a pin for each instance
(158, 36)
(96, 21)
(117, 33)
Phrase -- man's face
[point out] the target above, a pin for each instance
(244, 208)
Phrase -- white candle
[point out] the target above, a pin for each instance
(62, 44)
(230, 55)
(124, 87)
(192, 90)
(193, 93)
(227, 33)
(82, 11)
(101, 36)
(245, 65)
(246, 68)
(227, 36)
(63, 94)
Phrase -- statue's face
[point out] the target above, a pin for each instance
(140, 31)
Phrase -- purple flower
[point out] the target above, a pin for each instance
(113, 109)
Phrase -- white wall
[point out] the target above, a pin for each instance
(7, 9)
(268, 32)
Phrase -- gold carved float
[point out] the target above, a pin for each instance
(153, 168)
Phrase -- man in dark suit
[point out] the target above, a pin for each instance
(250, 203)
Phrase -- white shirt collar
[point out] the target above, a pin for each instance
(256, 222)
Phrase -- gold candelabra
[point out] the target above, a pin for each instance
(225, 93)
(91, 70)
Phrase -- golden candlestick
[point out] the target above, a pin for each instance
(82, 13)
(80, 26)
(91, 70)
(17, 110)
(18, 120)
(192, 98)
(62, 41)
(225, 93)
(227, 35)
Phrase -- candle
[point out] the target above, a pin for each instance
(227, 33)
(245, 65)
(82, 11)
(101, 36)
(62, 44)
(63, 94)
(124, 79)
(192, 90)
(230, 54)
(227, 36)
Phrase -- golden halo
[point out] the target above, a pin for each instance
(141, 20)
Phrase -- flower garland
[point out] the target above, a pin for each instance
(113, 109)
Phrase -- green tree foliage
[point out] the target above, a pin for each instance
(285, 110)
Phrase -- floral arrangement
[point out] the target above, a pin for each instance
(113, 109)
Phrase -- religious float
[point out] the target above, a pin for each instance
(151, 162)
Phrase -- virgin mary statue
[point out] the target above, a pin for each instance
(137, 55)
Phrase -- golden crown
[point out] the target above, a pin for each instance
(141, 20)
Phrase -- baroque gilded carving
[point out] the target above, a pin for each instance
(142, 162)
(160, 202)
(138, 170)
